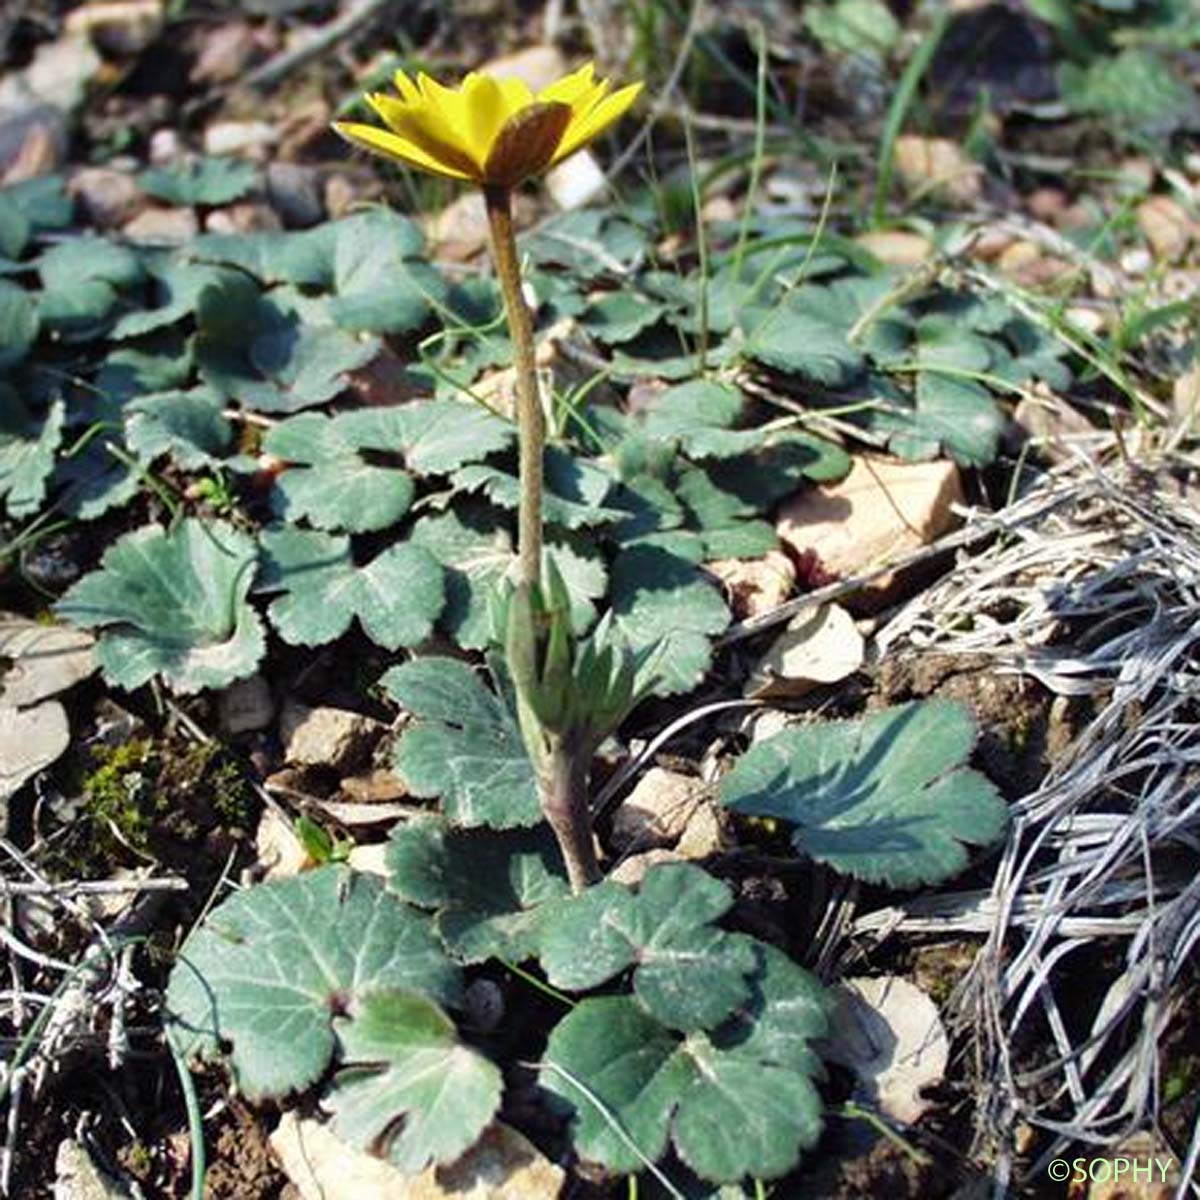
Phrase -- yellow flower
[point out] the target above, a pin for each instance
(493, 132)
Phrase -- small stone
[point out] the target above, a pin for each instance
(1052, 423)
(1136, 174)
(1018, 256)
(371, 858)
(1137, 262)
(483, 1005)
(245, 706)
(329, 737)
(159, 226)
(228, 49)
(106, 197)
(658, 810)
(247, 216)
(933, 165)
(376, 787)
(630, 871)
(343, 193)
(1090, 319)
(578, 180)
(279, 851)
(57, 77)
(1166, 226)
(460, 231)
(817, 647)
(1185, 397)
(502, 1165)
(44, 660)
(537, 66)
(881, 511)
(895, 247)
(754, 586)
(295, 193)
(79, 1178)
(120, 27)
(990, 245)
(249, 139)
(704, 836)
(1046, 203)
(165, 147)
(41, 149)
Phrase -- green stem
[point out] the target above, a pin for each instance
(564, 791)
(531, 421)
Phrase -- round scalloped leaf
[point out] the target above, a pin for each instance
(660, 600)
(26, 452)
(888, 798)
(172, 603)
(411, 1092)
(736, 1102)
(688, 974)
(465, 746)
(269, 968)
(18, 323)
(474, 544)
(205, 181)
(396, 596)
(188, 426)
(490, 888)
(334, 478)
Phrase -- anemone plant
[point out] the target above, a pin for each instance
(496, 134)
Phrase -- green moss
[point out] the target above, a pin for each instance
(120, 794)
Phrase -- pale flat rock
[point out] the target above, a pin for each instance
(1166, 226)
(754, 586)
(106, 196)
(816, 647)
(538, 66)
(250, 139)
(631, 871)
(245, 706)
(577, 181)
(58, 75)
(503, 1165)
(278, 850)
(30, 740)
(881, 511)
(889, 1033)
(658, 810)
(246, 216)
(705, 835)
(45, 659)
(1052, 424)
(375, 787)
(372, 859)
(121, 27)
(938, 166)
(328, 737)
(158, 226)
(896, 247)
(1185, 396)
(77, 1177)
(460, 230)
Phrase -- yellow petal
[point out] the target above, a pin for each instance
(488, 103)
(429, 129)
(405, 86)
(570, 88)
(380, 141)
(583, 129)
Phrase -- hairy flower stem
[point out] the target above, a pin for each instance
(531, 422)
(563, 781)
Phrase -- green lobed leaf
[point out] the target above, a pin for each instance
(396, 596)
(474, 545)
(188, 426)
(208, 181)
(735, 1102)
(268, 969)
(688, 975)
(661, 600)
(19, 323)
(27, 450)
(172, 602)
(335, 478)
(464, 747)
(888, 798)
(490, 888)
(411, 1091)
